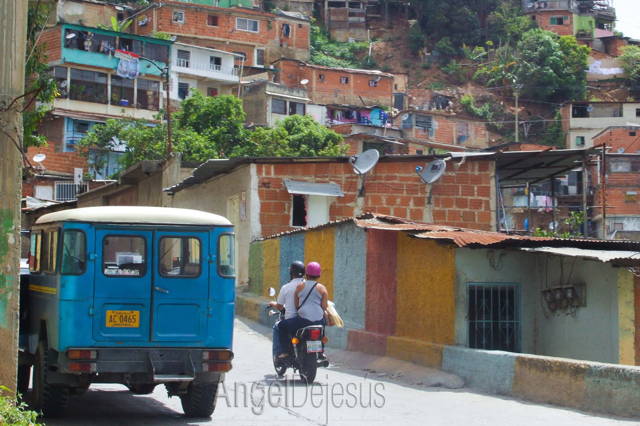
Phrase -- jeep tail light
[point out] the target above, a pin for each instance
(216, 366)
(315, 334)
(81, 354)
(82, 367)
(217, 355)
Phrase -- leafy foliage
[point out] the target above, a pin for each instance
(211, 127)
(542, 66)
(333, 53)
(554, 135)
(572, 224)
(39, 84)
(630, 59)
(491, 111)
(14, 412)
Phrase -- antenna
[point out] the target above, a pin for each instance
(432, 171)
(365, 161)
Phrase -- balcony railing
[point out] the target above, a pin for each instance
(207, 67)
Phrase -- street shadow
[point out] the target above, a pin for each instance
(118, 407)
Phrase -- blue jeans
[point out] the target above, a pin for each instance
(289, 327)
(276, 339)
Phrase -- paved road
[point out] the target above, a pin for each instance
(253, 396)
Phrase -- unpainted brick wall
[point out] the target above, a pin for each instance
(325, 86)
(50, 39)
(195, 30)
(462, 197)
(543, 18)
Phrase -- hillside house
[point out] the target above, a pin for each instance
(260, 37)
(101, 75)
(212, 72)
(331, 86)
(581, 121)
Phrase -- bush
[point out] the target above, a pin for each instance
(14, 413)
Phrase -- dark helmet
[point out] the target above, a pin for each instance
(296, 269)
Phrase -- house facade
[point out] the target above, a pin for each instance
(211, 72)
(260, 37)
(337, 86)
(583, 120)
(266, 196)
(100, 75)
(474, 289)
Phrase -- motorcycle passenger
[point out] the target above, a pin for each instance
(286, 301)
(311, 304)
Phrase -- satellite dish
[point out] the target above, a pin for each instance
(365, 161)
(304, 82)
(620, 150)
(432, 171)
(70, 36)
(39, 158)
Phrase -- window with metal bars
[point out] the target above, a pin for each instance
(494, 316)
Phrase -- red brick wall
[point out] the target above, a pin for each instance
(446, 131)
(330, 90)
(196, 25)
(543, 19)
(462, 197)
(50, 38)
(61, 162)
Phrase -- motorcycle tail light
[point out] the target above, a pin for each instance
(315, 334)
(295, 340)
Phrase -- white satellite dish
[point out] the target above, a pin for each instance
(39, 158)
(365, 161)
(304, 82)
(620, 150)
(432, 171)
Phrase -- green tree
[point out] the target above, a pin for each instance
(630, 59)
(295, 136)
(210, 127)
(220, 119)
(507, 24)
(40, 87)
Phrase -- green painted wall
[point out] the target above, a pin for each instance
(256, 267)
(583, 23)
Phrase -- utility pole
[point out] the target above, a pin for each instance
(517, 96)
(13, 38)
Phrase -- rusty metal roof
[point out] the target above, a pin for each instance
(472, 238)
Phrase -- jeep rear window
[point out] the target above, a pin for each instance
(179, 257)
(73, 252)
(123, 256)
(226, 255)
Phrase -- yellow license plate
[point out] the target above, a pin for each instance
(130, 319)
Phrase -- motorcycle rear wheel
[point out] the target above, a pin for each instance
(279, 366)
(309, 368)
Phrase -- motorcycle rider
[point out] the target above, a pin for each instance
(286, 301)
(311, 303)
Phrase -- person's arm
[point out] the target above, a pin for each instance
(325, 297)
(279, 305)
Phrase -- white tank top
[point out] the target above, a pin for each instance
(311, 309)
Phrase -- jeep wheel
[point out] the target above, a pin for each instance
(24, 377)
(200, 399)
(50, 399)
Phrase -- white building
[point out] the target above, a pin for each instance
(210, 71)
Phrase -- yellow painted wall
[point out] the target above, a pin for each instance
(626, 317)
(271, 265)
(425, 299)
(319, 247)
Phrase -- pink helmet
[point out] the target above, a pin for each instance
(313, 269)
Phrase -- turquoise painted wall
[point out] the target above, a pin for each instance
(349, 292)
(291, 249)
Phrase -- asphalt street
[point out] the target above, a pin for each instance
(344, 395)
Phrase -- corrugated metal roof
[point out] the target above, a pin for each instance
(618, 257)
(473, 238)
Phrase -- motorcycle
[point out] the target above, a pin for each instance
(306, 352)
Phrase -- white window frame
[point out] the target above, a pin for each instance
(173, 17)
(246, 21)
(255, 57)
